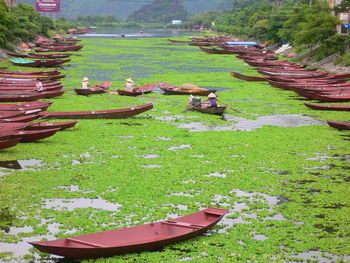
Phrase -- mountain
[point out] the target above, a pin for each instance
(122, 9)
(160, 11)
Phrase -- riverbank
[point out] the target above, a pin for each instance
(281, 172)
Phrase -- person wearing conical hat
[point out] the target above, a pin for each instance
(130, 85)
(85, 83)
(212, 99)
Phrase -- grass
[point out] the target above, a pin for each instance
(288, 185)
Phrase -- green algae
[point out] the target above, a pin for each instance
(245, 172)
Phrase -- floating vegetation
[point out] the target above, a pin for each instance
(285, 182)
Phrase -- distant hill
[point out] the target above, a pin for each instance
(160, 11)
(122, 9)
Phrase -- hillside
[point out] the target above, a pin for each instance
(123, 9)
(159, 11)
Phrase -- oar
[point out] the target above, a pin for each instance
(227, 105)
(190, 108)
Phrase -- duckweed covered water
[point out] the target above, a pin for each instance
(288, 201)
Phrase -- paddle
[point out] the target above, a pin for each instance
(229, 106)
(190, 108)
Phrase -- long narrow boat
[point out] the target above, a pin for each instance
(170, 89)
(133, 239)
(213, 110)
(25, 118)
(328, 107)
(5, 144)
(25, 106)
(248, 78)
(332, 98)
(101, 114)
(21, 72)
(59, 49)
(31, 97)
(339, 125)
(51, 125)
(34, 135)
(89, 91)
(37, 63)
(142, 90)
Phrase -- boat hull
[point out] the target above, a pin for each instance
(103, 114)
(133, 239)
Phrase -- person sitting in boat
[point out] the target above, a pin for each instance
(131, 86)
(38, 85)
(211, 102)
(85, 83)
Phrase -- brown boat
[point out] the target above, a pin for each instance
(4, 144)
(328, 107)
(51, 125)
(33, 135)
(97, 89)
(248, 78)
(212, 110)
(339, 125)
(59, 49)
(25, 106)
(133, 239)
(101, 114)
(170, 89)
(140, 91)
(25, 118)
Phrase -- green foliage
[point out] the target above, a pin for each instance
(97, 20)
(64, 25)
(159, 12)
(344, 59)
(23, 23)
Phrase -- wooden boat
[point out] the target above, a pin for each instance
(5, 144)
(201, 44)
(21, 72)
(18, 113)
(133, 239)
(332, 98)
(179, 41)
(59, 49)
(25, 106)
(25, 118)
(6, 78)
(37, 63)
(213, 110)
(339, 125)
(33, 135)
(40, 56)
(170, 89)
(51, 125)
(248, 78)
(328, 107)
(141, 90)
(31, 97)
(90, 91)
(101, 114)
(216, 51)
(97, 89)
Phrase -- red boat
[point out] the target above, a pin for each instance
(339, 125)
(31, 97)
(59, 49)
(140, 91)
(333, 98)
(248, 78)
(4, 144)
(41, 56)
(18, 113)
(33, 135)
(217, 51)
(328, 107)
(40, 73)
(25, 118)
(97, 89)
(101, 114)
(133, 239)
(25, 106)
(42, 63)
(170, 89)
(179, 41)
(51, 125)
(201, 44)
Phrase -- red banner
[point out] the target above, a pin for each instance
(48, 5)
